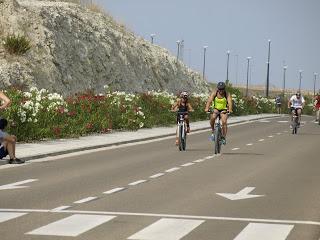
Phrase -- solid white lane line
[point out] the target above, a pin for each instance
(5, 216)
(72, 226)
(60, 208)
(114, 190)
(16, 184)
(137, 182)
(234, 149)
(85, 200)
(157, 175)
(261, 140)
(172, 169)
(249, 144)
(261, 231)
(282, 221)
(187, 164)
(209, 157)
(168, 229)
(199, 160)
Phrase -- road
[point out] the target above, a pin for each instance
(264, 185)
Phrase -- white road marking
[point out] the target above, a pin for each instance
(270, 136)
(168, 229)
(209, 157)
(137, 182)
(172, 169)
(278, 133)
(282, 221)
(285, 131)
(283, 121)
(157, 175)
(234, 149)
(114, 190)
(72, 226)
(264, 121)
(261, 140)
(5, 216)
(14, 185)
(243, 194)
(187, 164)
(262, 231)
(85, 200)
(60, 208)
(199, 160)
(249, 144)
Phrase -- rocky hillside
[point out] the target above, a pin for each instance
(74, 49)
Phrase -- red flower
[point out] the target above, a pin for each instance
(89, 126)
(57, 131)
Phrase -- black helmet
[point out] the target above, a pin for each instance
(221, 85)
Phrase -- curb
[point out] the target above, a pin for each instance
(127, 142)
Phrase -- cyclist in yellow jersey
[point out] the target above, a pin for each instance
(220, 101)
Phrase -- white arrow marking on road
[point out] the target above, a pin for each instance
(243, 194)
(14, 185)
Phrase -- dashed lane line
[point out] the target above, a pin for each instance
(137, 182)
(114, 190)
(261, 140)
(85, 200)
(249, 144)
(157, 175)
(172, 169)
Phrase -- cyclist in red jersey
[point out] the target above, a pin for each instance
(317, 106)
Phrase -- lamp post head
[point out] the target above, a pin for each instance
(285, 67)
(269, 40)
(249, 58)
(228, 52)
(205, 47)
(152, 34)
(315, 74)
(178, 41)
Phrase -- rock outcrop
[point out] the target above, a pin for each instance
(74, 49)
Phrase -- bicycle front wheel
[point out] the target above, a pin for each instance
(217, 145)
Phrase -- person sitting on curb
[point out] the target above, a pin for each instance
(8, 144)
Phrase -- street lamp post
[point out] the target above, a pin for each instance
(248, 59)
(284, 79)
(204, 61)
(314, 84)
(178, 50)
(268, 69)
(152, 37)
(237, 60)
(300, 77)
(228, 56)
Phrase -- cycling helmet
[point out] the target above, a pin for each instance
(221, 85)
(298, 94)
(184, 94)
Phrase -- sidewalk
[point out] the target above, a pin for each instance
(29, 151)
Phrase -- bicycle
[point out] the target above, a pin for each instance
(217, 131)
(182, 131)
(294, 121)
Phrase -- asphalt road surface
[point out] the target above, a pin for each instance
(264, 186)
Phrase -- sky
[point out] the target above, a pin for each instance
(241, 26)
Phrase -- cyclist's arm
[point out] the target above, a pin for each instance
(289, 103)
(175, 106)
(303, 102)
(6, 100)
(210, 99)
(229, 99)
(190, 109)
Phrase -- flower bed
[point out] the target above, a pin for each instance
(38, 114)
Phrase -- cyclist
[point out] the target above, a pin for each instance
(182, 105)
(221, 102)
(296, 104)
(316, 105)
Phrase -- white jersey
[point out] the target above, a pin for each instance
(295, 102)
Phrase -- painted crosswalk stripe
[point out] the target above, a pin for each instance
(114, 190)
(157, 175)
(85, 200)
(72, 226)
(262, 231)
(187, 164)
(137, 182)
(168, 229)
(172, 169)
(5, 216)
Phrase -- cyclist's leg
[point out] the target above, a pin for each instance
(224, 117)
(299, 111)
(318, 114)
(213, 119)
(186, 118)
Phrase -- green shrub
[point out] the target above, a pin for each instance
(16, 44)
